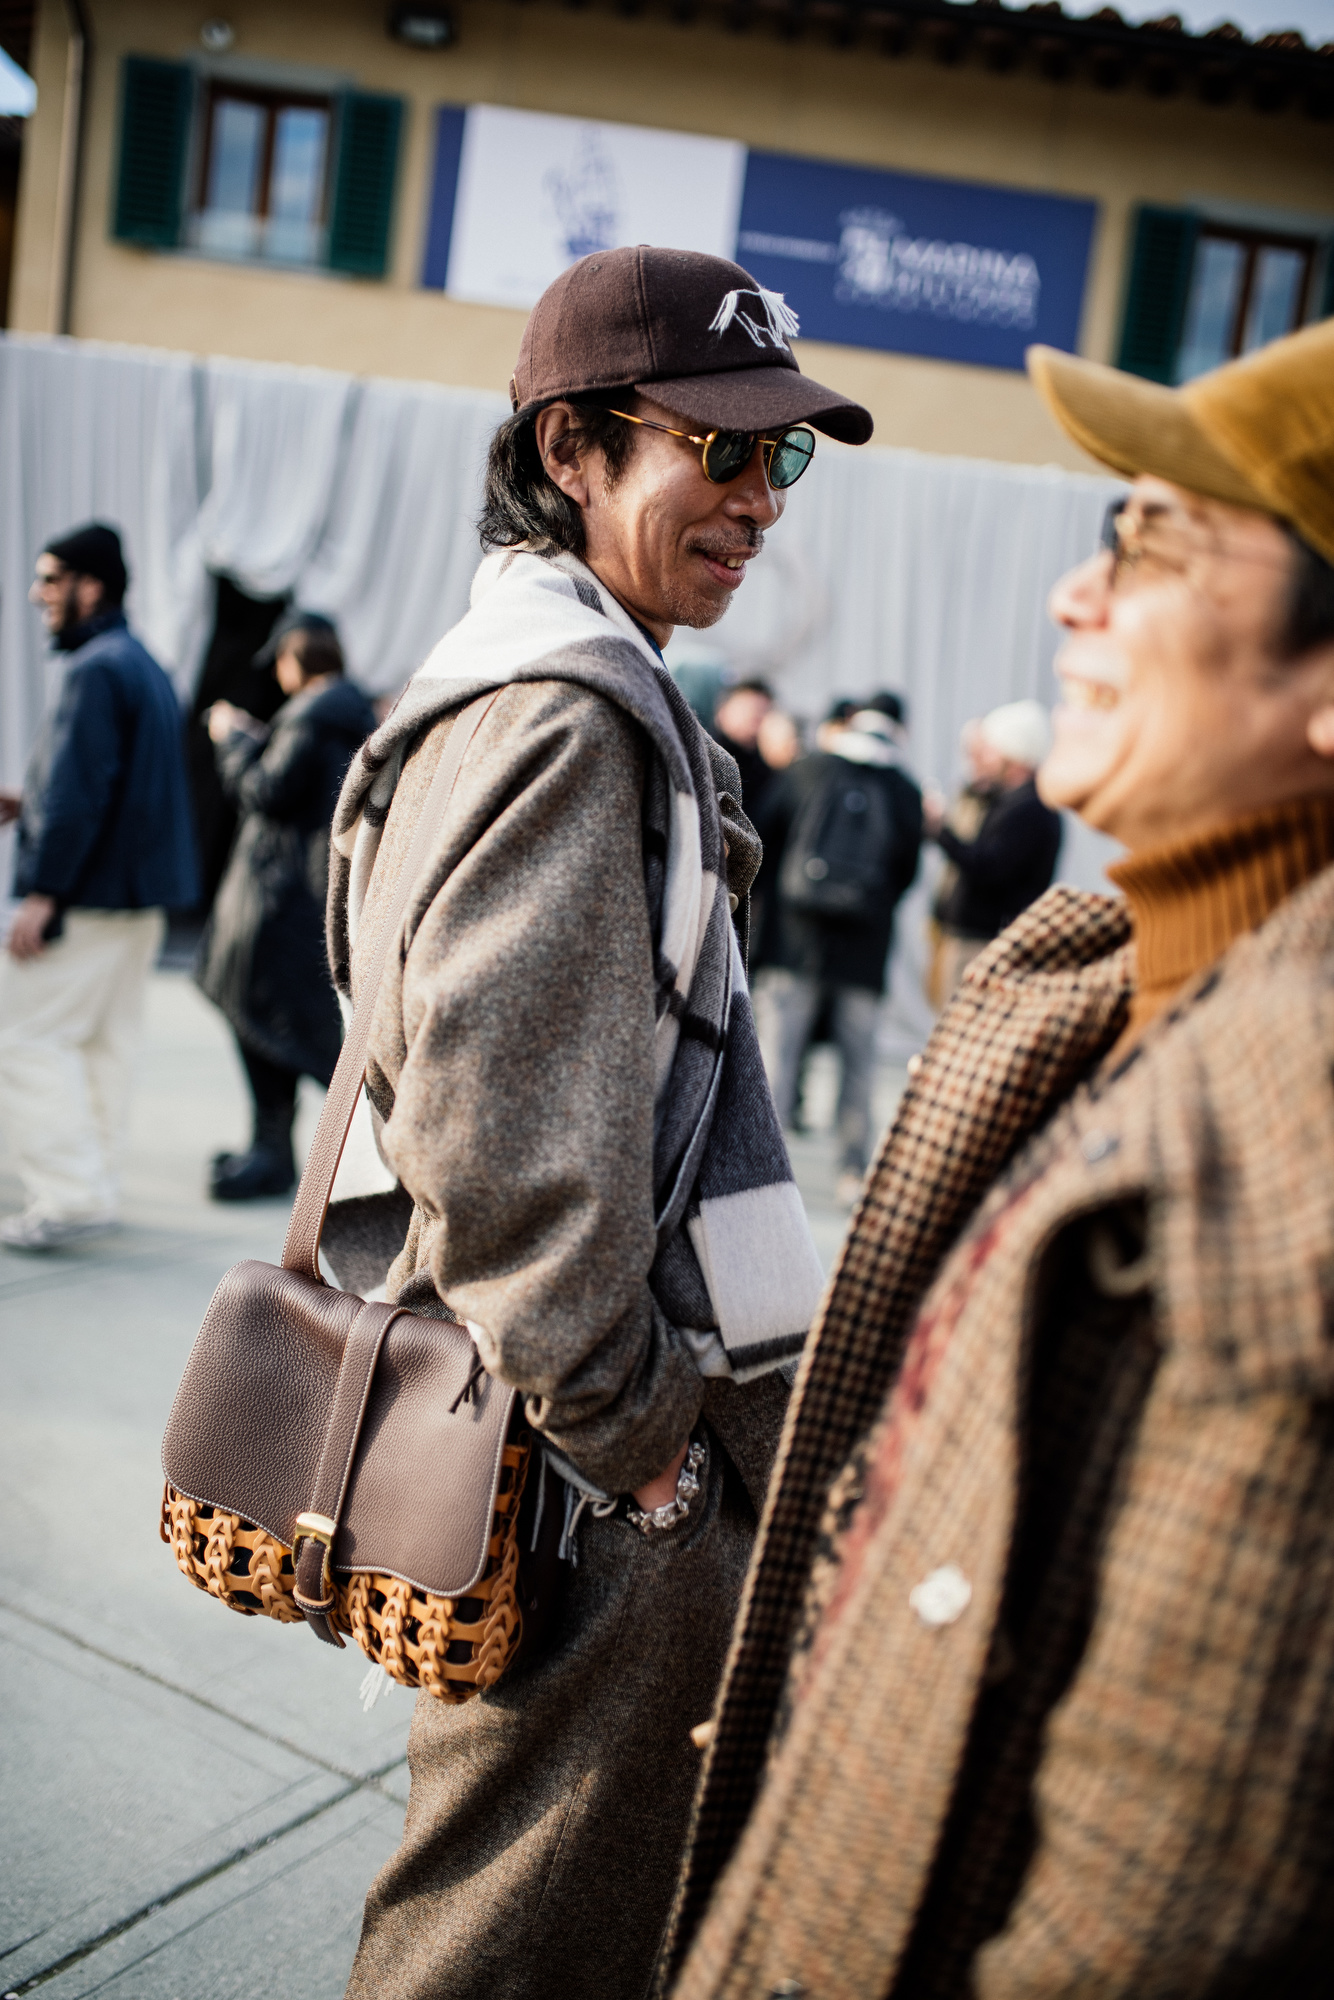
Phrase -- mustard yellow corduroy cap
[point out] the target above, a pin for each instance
(1257, 432)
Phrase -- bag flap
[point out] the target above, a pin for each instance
(247, 1427)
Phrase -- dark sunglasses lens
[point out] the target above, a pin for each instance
(791, 455)
(727, 454)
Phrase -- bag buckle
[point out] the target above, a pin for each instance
(317, 1528)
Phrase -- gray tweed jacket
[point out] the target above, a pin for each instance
(510, 1058)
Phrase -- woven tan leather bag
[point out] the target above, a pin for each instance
(342, 1463)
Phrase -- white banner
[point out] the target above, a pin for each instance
(536, 192)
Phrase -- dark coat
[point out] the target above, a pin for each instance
(106, 808)
(1007, 867)
(836, 951)
(1100, 1395)
(755, 774)
(262, 959)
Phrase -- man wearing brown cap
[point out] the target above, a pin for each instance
(569, 1093)
(1034, 1691)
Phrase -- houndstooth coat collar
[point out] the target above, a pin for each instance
(1216, 1122)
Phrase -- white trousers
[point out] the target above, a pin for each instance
(69, 1028)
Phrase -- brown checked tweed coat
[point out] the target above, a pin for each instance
(1100, 1393)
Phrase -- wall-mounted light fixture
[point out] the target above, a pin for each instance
(423, 27)
(217, 37)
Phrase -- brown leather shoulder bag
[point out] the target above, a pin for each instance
(343, 1462)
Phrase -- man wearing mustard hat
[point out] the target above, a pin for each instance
(1033, 1693)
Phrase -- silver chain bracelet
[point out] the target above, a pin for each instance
(672, 1512)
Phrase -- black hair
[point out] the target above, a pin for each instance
(888, 703)
(316, 648)
(842, 710)
(94, 550)
(521, 503)
(752, 686)
(1309, 617)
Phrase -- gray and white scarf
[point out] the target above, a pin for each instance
(736, 1269)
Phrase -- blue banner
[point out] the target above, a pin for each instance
(449, 124)
(950, 269)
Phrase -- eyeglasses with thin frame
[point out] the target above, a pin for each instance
(726, 454)
(1167, 544)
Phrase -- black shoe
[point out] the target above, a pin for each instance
(250, 1176)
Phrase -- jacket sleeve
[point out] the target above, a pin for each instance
(775, 810)
(908, 835)
(522, 1119)
(1005, 848)
(1185, 1799)
(276, 777)
(86, 766)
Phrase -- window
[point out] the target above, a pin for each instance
(278, 176)
(1201, 292)
(263, 175)
(1245, 289)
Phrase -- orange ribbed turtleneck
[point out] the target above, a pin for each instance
(1190, 899)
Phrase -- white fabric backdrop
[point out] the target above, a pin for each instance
(890, 568)
(273, 445)
(896, 569)
(358, 497)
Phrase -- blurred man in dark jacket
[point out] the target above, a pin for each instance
(737, 721)
(848, 823)
(263, 960)
(1011, 857)
(105, 846)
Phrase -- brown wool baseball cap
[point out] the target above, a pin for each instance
(1258, 432)
(696, 333)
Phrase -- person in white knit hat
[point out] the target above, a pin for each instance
(1010, 858)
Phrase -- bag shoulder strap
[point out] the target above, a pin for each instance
(301, 1247)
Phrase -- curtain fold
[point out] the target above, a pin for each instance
(275, 441)
(396, 560)
(359, 497)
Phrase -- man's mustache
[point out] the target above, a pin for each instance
(747, 542)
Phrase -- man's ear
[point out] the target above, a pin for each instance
(1320, 724)
(558, 445)
(88, 594)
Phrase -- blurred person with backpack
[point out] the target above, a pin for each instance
(262, 959)
(999, 840)
(105, 848)
(848, 822)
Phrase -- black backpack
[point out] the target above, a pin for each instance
(840, 850)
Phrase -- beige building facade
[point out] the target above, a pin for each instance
(1246, 177)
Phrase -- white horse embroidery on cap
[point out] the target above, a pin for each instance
(780, 322)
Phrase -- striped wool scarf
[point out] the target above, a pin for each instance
(736, 1269)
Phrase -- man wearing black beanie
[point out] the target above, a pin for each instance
(105, 846)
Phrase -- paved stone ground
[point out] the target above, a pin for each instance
(193, 1803)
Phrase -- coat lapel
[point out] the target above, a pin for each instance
(1034, 1013)
(1217, 1121)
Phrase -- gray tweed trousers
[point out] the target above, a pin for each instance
(547, 1817)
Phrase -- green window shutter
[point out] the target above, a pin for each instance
(1160, 267)
(363, 204)
(155, 104)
